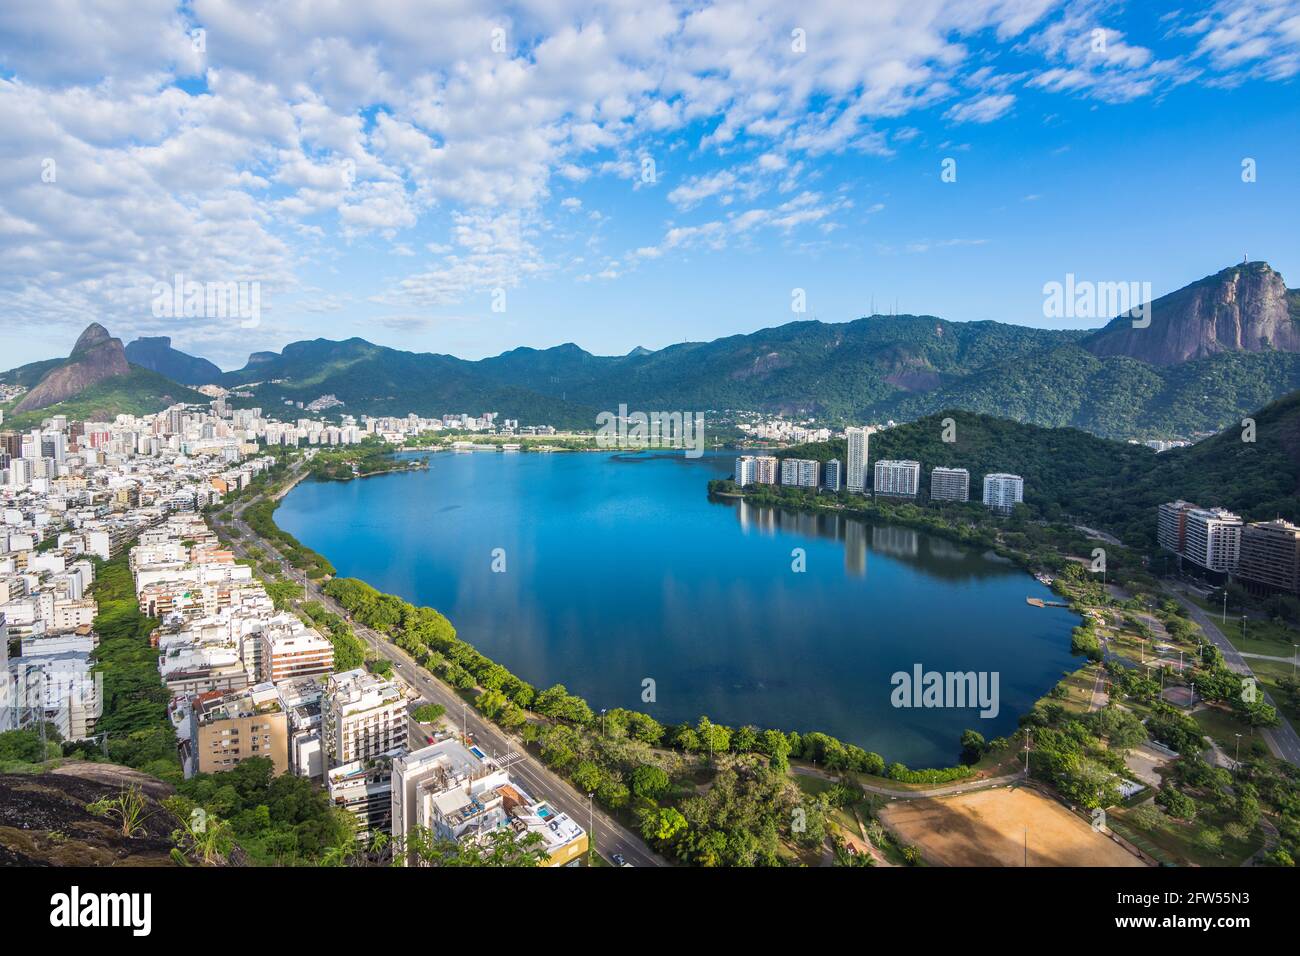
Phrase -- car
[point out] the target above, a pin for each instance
(429, 740)
(618, 859)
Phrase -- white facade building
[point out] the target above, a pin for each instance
(1003, 492)
(855, 474)
(1213, 539)
(898, 478)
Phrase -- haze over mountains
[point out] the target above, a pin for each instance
(1214, 350)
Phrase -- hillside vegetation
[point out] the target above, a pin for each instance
(1105, 484)
(139, 392)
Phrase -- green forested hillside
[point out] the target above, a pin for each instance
(372, 379)
(1106, 484)
(137, 393)
(875, 369)
(1115, 397)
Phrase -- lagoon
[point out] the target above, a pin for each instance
(618, 568)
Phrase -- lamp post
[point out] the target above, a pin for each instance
(1237, 759)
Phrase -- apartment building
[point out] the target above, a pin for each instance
(1270, 556)
(1213, 539)
(289, 650)
(831, 475)
(165, 597)
(949, 484)
(897, 478)
(227, 728)
(362, 716)
(855, 477)
(51, 682)
(68, 615)
(301, 699)
(1002, 492)
(800, 472)
(364, 788)
(191, 665)
(457, 793)
(756, 470)
(1171, 525)
(745, 470)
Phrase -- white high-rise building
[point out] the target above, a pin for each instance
(1213, 539)
(745, 470)
(949, 484)
(800, 472)
(362, 716)
(756, 470)
(898, 478)
(1003, 492)
(855, 475)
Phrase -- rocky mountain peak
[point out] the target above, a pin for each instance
(96, 356)
(1244, 308)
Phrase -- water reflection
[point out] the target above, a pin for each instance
(935, 556)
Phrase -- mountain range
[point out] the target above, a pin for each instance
(1213, 351)
(157, 355)
(96, 381)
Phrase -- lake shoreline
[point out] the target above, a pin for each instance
(736, 685)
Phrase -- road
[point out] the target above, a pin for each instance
(610, 836)
(1282, 740)
(1269, 657)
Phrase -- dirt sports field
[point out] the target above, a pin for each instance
(987, 828)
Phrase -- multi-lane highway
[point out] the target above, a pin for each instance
(611, 837)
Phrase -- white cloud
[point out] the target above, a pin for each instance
(982, 109)
(304, 129)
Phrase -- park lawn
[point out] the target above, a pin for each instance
(813, 786)
(998, 763)
(1078, 687)
(1175, 840)
(885, 783)
(841, 817)
(1129, 646)
(1222, 726)
(1261, 637)
(1270, 673)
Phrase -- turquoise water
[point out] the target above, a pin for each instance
(619, 569)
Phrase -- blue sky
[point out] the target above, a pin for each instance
(390, 170)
